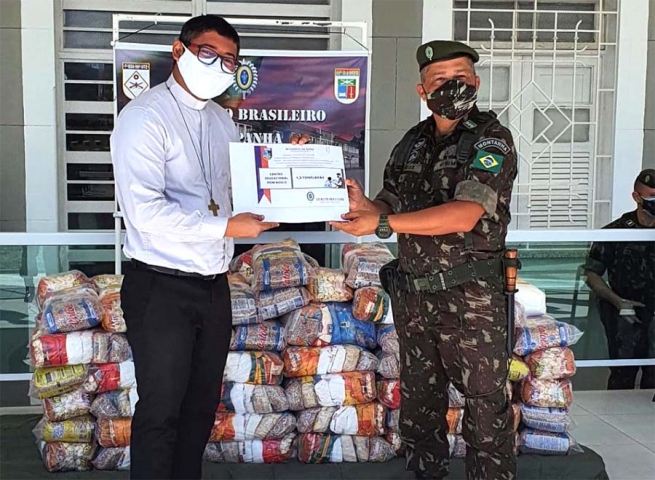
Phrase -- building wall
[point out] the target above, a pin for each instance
(12, 142)
(649, 124)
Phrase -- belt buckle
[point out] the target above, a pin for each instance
(421, 284)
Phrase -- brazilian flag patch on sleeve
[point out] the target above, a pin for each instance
(488, 162)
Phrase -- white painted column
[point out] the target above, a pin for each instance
(630, 101)
(40, 114)
(438, 24)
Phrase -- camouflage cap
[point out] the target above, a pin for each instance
(647, 177)
(440, 50)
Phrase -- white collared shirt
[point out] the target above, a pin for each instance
(161, 189)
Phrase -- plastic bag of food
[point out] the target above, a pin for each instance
(321, 448)
(547, 393)
(389, 366)
(371, 304)
(365, 420)
(277, 303)
(242, 266)
(556, 420)
(114, 432)
(316, 420)
(516, 416)
(518, 370)
(67, 457)
(75, 430)
(279, 265)
(545, 332)
(54, 381)
(394, 439)
(393, 420)
(252, 451)
(347, 330)
(91, 346)
(110, 376)
(112, 313)
(328, 285)
(115, 458)
(309, 326)
(115, 404)
(454, 418)
(247, 398)
(266, 336)
(551, 363)
(107, 283)
(72, 312)
(455, 397)
(547, 443)
(388, 339)
(244, 303)
(363, 261)
(519, 315)
(389, 393)
(307, 361)
(457, 446)
(259, 368)
(69, 405)
(53, 284)
(241, 427)
(334, 390)
(532, 299)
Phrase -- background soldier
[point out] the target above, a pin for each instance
(447, 190)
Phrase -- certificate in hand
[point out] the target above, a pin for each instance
(289, 183)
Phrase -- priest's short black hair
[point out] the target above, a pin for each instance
(208, 23)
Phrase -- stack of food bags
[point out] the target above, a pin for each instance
(388, 384)
(78, 349)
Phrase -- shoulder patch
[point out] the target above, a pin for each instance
(469, 124)
(488, 162)
(486, 143)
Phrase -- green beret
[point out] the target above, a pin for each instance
(440, 50)
(647, 177)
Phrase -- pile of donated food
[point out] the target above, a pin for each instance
(313, 371)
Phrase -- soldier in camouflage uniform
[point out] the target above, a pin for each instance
(630, 268)
(446, 193)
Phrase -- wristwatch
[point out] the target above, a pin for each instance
(384, 230)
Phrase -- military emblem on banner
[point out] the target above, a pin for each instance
(346, 85)
(246, 78)
(136, 79)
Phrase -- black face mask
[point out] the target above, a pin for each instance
(452, 100)
(648, 204)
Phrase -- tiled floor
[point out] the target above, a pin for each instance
(619, 426)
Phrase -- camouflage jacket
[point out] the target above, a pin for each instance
(630, 266)
(424, 172)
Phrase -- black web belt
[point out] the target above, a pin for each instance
(438, 282)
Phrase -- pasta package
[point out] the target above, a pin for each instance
(244, 304)
(389, 366)
(328, 285)
(277, 303)
(279, 265)
(114, 458)
(309, 326)
(547, 393)
(54, 284)
(91, 346)
(53, 381)
(72, 311)
(545, 332)
(309, 361)
(69, 405)
(112, 313)
(362, 263)
(247, 398)
(114, 432)
(110, 376)
(242, 427)
(518, 370)
(252, 451)
(316, 420)
(107, 283)
(546, 443)
(454, 418)
(552, 363)
(556, 420)
(389, 393)
(362, 420)
(371, 304)
(76, 430)
(333, 390)
(260, 337)
(316, 448)
(388, 339)
(347, 330)
(115, 404)
(67, 457)
(259, 368)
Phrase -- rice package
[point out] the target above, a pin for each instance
(110, 376)
(277, 303)
(347, 330)
(545, 332)
(547, 393)
(114, 432)
(457, 446)
(252, 451)
(107, 283)
(371, 304)
(389, 393)
(279, 265)
(388, 339)
(546, 443)
(454, 418)
(328, 285)
(242, 265)
(557, 420)
(389, 366)
(518, 370)
(309, 326)
(259, 368)
(333, 390)
(72, 311)
(316, 420)
(364, 420)
(244, 305)
(91, 346)
(321, 448)
(552, 363)
(263, 337)
(247, 398)
(75, 430)
(455, 397)
(362, 263)
(112, 313)
(69, 405)
(53, 284)
(52, 381)
(309, 361)
(114, 458)
(115, 404)
(67, 457)
(250, 426)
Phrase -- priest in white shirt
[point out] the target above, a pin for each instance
(170, 155)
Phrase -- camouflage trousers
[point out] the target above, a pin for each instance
(457, 336)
